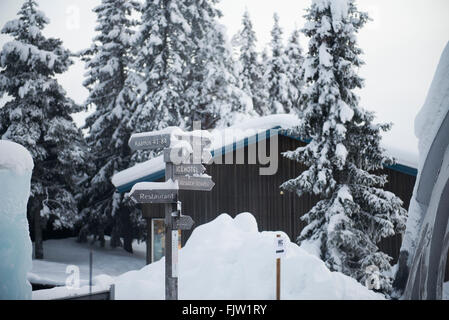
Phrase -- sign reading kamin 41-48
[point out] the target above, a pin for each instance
(149, 141)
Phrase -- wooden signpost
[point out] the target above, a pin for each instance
(184, 166)
(280, 252)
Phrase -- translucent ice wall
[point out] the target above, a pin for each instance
(16, 166)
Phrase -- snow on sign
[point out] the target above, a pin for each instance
(281, 247)
(149, 142)
(154, 196)
(195, 140)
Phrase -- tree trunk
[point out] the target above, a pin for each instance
(83, 235)
(38, 243)
(128, 243)
(127, 231)
(101, 238)
(115, 238)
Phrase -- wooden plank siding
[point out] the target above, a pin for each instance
(240, 188)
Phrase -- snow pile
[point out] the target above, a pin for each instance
(435, 108)
(16, 167)
(427, 124)
(14, 157)
(168, 185)
(229, 259)
(62, 253)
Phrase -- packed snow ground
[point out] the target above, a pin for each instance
(225, 259)
(59, 254)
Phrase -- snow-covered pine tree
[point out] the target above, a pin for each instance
(295, 61)
(264, 66)
(277, 73)
(213, 94)
(38, 116)
(184, 71)
(164, 44)
(107, 62)
(344, 153)
(251, 71)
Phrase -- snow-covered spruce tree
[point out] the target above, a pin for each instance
(213, 94)
(164, 44)
(264, 66)
(354, 213)
(184, 70)
(251, 71)
(107, 62)
(295, 62)
(38, 116)
(277, 73)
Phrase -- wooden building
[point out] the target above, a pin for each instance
(240, 188)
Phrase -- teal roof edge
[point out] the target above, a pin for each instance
(237, 145)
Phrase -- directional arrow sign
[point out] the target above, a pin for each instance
(184, 223)
(195, 183)
(189, 169)
(149, 142)
(155, 196)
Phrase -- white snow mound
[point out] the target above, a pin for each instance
(15, 157)
(436, 106)
(230, 259)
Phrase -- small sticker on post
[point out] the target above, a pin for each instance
(281, 246)
(174, 246)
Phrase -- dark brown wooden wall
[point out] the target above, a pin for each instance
(240, 188)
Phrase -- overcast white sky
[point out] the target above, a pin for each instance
(402, 47)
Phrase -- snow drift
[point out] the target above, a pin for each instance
(16, 166)
(423, 251)
(230, 259)
(427, 124)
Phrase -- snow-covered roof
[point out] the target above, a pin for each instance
(247, 131)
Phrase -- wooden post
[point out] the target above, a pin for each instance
(149, 244)
(174, 220)
(171, 252)
(278, 276)
(91, 258)
(38, 242)
(171, 255)
(112, 292)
